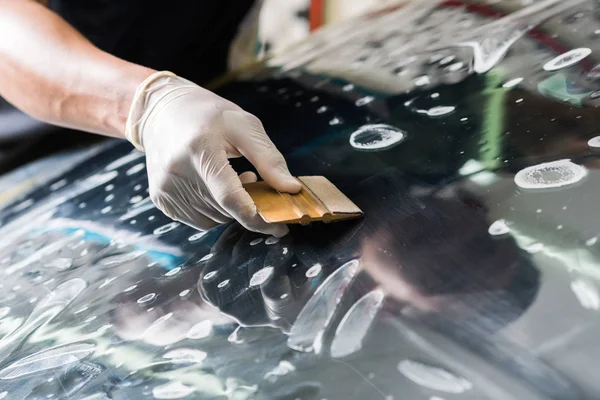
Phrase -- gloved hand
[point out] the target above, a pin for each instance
(188, 134)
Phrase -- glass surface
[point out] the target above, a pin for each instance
(466, 132)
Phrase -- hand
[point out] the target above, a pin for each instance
(189, 134)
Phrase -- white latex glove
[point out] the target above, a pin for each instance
(188, 134)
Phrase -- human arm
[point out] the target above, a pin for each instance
(50, 71)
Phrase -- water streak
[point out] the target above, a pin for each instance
(355, 325)
(45, 310)
(47, 359)
(307, 330)
(434, 378)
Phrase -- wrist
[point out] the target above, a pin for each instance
(147, 95)
(130, 80)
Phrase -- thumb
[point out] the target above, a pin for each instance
(249, 137)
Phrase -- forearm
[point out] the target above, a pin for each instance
(50, 71)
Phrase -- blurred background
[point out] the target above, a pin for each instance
(282, 23)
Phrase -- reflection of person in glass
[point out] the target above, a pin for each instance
(431, 256)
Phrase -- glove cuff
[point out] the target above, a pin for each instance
(132, 131)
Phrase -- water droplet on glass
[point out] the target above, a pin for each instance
(166, 228)
(348, 87)
(256, 241)
(147, 298)
(135, 169)
(335, 121)
(200, 330)
(137, 187)
(591, 241)
(47, 359)
(207, 257)
(440, 111)
(119, 259)
(174, 271)
(23, 205)
(172, 390)
(594, 143)
(59, 264)
(271, 240)
(223, 284)
(498, 228)
(184, 293)
(534, 248)
(586, 293)
(196, 236)
(106, 210)
(58, 185)
(210, 275)
(433, 378)
(110, 197)
(261, 276)
(550, 175)
(512, 83)
(185, 356)
(364, 101)
(322, 109)
(376, 137)
(422, 81)
(455, 67)
(314, 271)
(519, 101)
(435, 95)
(447, 60)
(130, 288)
(82, 309)
(355, 325)
(235, 336)
(136, 199)
(109, 187)
(284, 368)
(567, 59)
(307, 331)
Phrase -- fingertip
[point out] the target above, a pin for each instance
(248, 177)
(286, 183)
(277, 230)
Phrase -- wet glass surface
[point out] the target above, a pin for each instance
(468, 134)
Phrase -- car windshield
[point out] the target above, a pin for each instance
(467, 134)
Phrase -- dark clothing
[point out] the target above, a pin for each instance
(188, 37)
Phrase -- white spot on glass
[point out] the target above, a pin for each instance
(434, 378)
(567, 59)
(166, 228)
(314, 271)
(550, 175)
(261, 276)
(586, 293)
(498, 228)
(135, 169)
(376, 137)
(147, 298)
